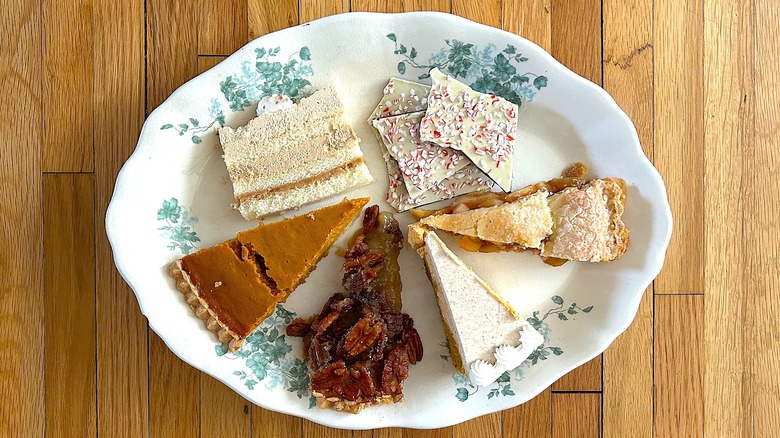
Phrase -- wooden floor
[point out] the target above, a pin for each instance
(699, 78)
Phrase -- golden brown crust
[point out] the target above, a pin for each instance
(185, 286)
(351, 406)
(616, 204)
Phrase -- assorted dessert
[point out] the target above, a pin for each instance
(360, 347)
(439, 142)
(235, 285)
(292, 154)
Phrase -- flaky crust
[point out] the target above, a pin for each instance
(185, 286)
(588, 224)
(350, 406)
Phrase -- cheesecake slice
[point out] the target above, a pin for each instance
(485, 335)
(235, 285)
(293, 155)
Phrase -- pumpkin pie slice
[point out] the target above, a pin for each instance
(235, 285)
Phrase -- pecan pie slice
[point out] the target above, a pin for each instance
(360, 346)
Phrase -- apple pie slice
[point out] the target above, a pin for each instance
(566, 218)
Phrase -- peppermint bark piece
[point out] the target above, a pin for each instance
(422, 164)
(482, 126)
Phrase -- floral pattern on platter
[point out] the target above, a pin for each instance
(503, 385)
(178, 226)
(259, 78)
(265, 355)
(486, 69)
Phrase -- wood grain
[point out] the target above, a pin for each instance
(171, 35)
(530, 19)
(69, 244)
(532, 419)
(576, 415)
(628, 76)
(390, 432)
(223, 413)
(269, 424)
(174, 393)
(67, 41)
(485, 12)
(763, 270)
(206, 62)
(678, 347)
(678, 143)
(21, 228)
(266, 17)
(445, 432)
(222, 26)
(123, 380)
(314, 9)
(731, 212)
(314, 430)
(576, 42)
(399, 5)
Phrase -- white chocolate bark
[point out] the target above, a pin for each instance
(482, 126)
(422, 164)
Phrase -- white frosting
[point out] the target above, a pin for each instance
(273, 102)
(508, 357)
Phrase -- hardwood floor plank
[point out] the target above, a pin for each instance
(628, 77)
(486, 425)
(172, 38)
(530, 19)
(206, 62)
(576, 42)
(269, 424)
(678, 346)
(174, 393)
(763, 264)
(223, 413)
(266, 17)
(532, 419)
(628, 378)
(445, 432)
(67, 43)
(731, 211)
(576, 415)
(586, 377)
(314, 9)
(21, 225)
(123, 380)
(69, 269)
(400, 5)
(678, 143)
(391, 432)
(222, 26)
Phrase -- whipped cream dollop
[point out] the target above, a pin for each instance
(508, 357)
(273, 102)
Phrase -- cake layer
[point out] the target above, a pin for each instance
(311, 159)
(353, 174)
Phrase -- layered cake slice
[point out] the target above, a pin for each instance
(293, 155)
(235, 285)
(485, 336)
(482, 126)
(401, 97)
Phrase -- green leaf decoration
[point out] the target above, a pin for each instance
(503, 378)
(194, 122)
(522, 59)
(507, 391)
(562, 317)
(391, 37)
(557, 300)
(587, 309)
(510, 49)
(556, 351)
(221, 349)
(571, 312)
(540, 82)
(312, 402)
(196, 139)
(413, 53)
(250, 383)
(184, 127)
(305, 53)
(401, 67)
(462, 394)
(402, 49)
(166, 126)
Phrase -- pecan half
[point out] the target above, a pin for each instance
(344, 382)
(395, 371)
(362, 336)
